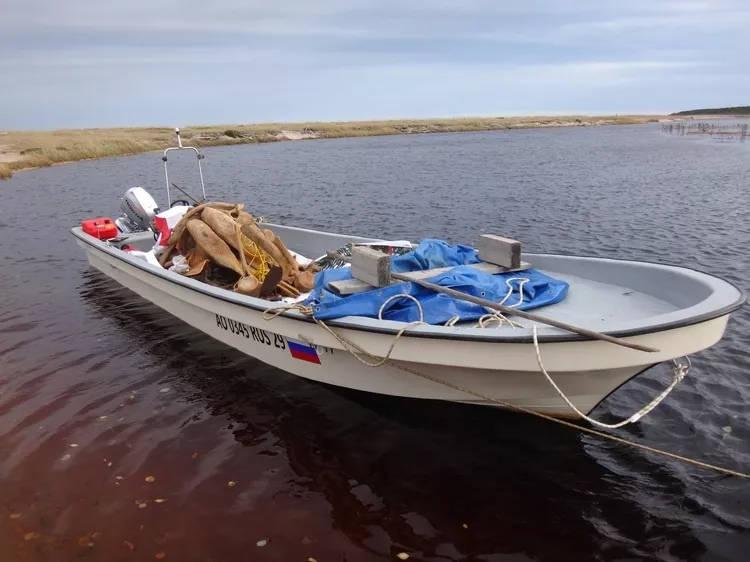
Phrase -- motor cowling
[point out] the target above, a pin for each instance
(139, 208)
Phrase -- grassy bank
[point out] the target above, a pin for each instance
(21, 150)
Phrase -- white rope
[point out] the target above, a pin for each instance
(452, 321)
(679, 370)
(495, 316)
(487, 319)
(399, 296)
(354, 349)
(274, 312)
(523, 281)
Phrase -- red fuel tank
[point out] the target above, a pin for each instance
(102, 228)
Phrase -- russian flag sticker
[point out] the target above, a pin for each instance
(303, 351)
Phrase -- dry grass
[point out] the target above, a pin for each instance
(21, 150)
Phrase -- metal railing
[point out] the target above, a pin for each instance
(198, 156)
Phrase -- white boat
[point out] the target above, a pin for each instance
(677, 310)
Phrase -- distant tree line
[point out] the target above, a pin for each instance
(739, 110)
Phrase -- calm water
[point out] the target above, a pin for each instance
(100, 390)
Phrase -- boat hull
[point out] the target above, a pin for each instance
(587, 371)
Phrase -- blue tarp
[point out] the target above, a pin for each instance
(539, 290)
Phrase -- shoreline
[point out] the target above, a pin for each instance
(28, 150)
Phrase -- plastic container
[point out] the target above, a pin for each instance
(102, 228)
(165, 221)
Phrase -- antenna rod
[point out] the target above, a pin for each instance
(186, 193)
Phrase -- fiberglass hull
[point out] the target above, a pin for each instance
(506, 370)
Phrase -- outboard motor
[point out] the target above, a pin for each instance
(139, 208)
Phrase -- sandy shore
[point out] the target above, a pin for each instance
(21, 150)
(8, 154)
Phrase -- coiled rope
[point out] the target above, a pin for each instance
(252, 250)
(358, 352)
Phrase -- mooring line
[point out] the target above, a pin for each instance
(351, 347)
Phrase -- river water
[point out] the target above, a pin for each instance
(100, 392)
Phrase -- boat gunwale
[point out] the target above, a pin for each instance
(488, 336)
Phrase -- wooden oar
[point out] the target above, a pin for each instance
(511, 311)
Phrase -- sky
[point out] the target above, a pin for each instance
(94, 63)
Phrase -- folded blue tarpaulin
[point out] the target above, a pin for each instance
(539, 289)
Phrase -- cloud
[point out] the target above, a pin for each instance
(111, 62)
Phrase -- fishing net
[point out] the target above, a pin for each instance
(221, 244)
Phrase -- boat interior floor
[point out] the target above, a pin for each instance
(591, 304)
(594, 304)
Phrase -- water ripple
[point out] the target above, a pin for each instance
(99, 389)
